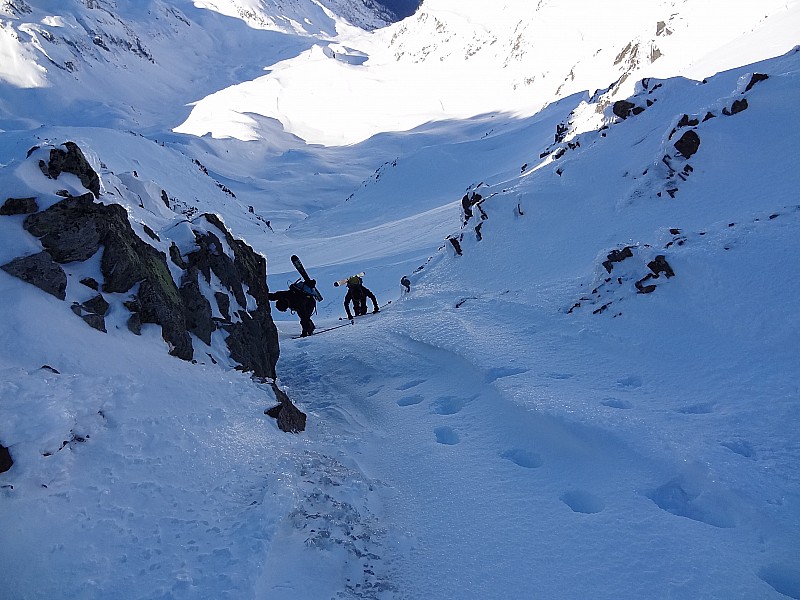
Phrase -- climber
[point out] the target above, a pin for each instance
(297, 301)
(358, 294)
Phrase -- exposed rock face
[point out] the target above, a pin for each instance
(75, 228)
(6, 461)
(19, 206)
(72, 161)
(688, 143)
(40, 270)
(166, 291)
(290, 418)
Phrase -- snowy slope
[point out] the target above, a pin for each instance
(456, 59)
(523, 423)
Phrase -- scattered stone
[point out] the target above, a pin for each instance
(97, 305)
(91, 283)
(19, 206)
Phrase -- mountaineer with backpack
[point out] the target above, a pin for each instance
(300, 298)
(358, 294)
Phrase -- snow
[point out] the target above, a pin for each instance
(522, 423)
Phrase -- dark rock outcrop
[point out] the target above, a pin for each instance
(624, 108)
(162, 290)
(6, 462)
(19, 206)
(75, 228)
(72, 161)
(39, 270)
(290, 418)
(197, 308)
(616, 256)
(688, 143)
(756, 78)
(253, 341)
(93, 312)
(660, 265)
(737, 107)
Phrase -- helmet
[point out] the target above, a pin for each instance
(354, 280)
(282, 304)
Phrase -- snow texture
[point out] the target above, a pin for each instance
(591, 388)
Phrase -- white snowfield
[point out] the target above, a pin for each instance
(525, 423)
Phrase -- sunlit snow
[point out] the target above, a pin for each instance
(523, 423)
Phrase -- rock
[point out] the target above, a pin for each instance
(223, 304)
(93, 312)
(616, 256)
(622, 108)
(40, 270)
(70, 230)
(688, 144)
(6, 461)
(755, 79)
(660, 265)
(97, 305)
(75, 228)
(95, 321)
(91, 283)
(71, 161)
(19, 206)
(253, 342)
(290, 418)
(197, 307)
(737, 107)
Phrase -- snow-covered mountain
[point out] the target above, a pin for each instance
(588, 389)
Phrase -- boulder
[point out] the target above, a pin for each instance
(72, 161)
(290, 418)
(737, 107)
(623, 108)
(616, 256)
(5, 459)
(40, 270)
(660, 265)
(19, 206)
(688, 144)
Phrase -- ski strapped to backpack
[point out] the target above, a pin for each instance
(307, 285)
(343, 281)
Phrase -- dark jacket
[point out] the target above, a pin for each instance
(358, 294)
(296, 301)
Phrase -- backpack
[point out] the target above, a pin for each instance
(304, 288)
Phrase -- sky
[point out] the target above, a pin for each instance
(402, 8)
(521, 424)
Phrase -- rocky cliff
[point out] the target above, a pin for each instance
(204, 288)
